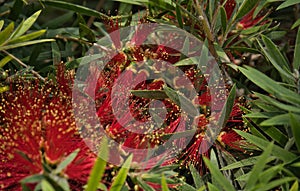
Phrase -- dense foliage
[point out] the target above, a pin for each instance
(243, 136)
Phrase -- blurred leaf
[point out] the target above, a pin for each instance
(27, 37)
(258, 167)
(46, 186)
(121, 176)
(25, 44)
(270, 85)
(295, 186)
(277, 151)
(164, 185)
(77, 8)
(296, 24)
(179, 16)
(245, 8)
(136, 2)
(99, 166)
(5, 34)
(58, 21)
(245, 162)
(196, 177)
(296, 62)
(296, 129)
(276, 58)
(5, 60)
(288, 3)
(223, 18)
(253, 128)
(32, 179)
(86, 32)
(215, 172)
(144, 185)
(275, 134)
(211, 187)
(150, 94)
(4, 89)
(275, 183)
(269, 173)
(25, 25)
(283, 119)
(56, 56)
(68, 160)
(1, 24)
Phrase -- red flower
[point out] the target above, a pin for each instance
(37, 129)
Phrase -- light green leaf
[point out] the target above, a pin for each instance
(144, 185)
(1, 24)
(245, 162)
(121, 176)
(296, 62)
(5, 34)
(5, 60)
(164, 185)
(27, 37)
(25, 25)
(295, 186)
(288, 3)
(258, 167)
(99, 166)
(296, 24)
(33, 178)
(215, 172)
(68, 160)
(277, 151)
(46, 186)
(295, 128)
(12, 46)
(275, 183)
(211, 187)
(196, 177)
(283, 119)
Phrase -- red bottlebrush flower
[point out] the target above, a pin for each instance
(230, 138)
(37, 129)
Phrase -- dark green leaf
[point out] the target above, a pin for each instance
(270, 85)
(295, 128)
(77, 8)
(296, 24)
(196, 177)
(32, 179)
(150, 94)
(283, 119)
(296, 62)
(277, 151)
(179, 16)
(144, 185)
(258, 167)
(244, 9)
(56, 56)
(275, 183)
(245, 162)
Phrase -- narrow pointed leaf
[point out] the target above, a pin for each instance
(69, 159)
(12, 46)
(245, 8)
(5, 34)
(288, 3)
(164, 185)
(121, 176)
(296, 62)
(296, 129)
(27, 37)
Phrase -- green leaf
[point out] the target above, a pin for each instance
(27, 37)
(144, 185)
(4, 89)
(296, 62)
(245, 162)
(296, 129)
(296, 24)
(136, 2)
(68, 160)
(121, 176)
(99, 167)
(12, 46)
(277, 151)
(245, 8)
(5, 34)
(211, 187)
(253, 129)
(295, 186)
(77, 8)
(164, 185)
(32, 179)
(179, 16)
(275, 183)
(258, 167)
(5, 60)
(58, 21)
(150, 94)
(1, 24)
(86, 32)
(196, 177)
(275, 134)
(46, 186)
(270, 85)
(276, 58)
(288, 3)
(25, 25)
(223, 18)
(56, 56)
(283, 119)
(183, 102)
(215, 172)
(269, 173)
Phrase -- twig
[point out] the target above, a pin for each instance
(24, 65)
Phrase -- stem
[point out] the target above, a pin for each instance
(24, 65)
